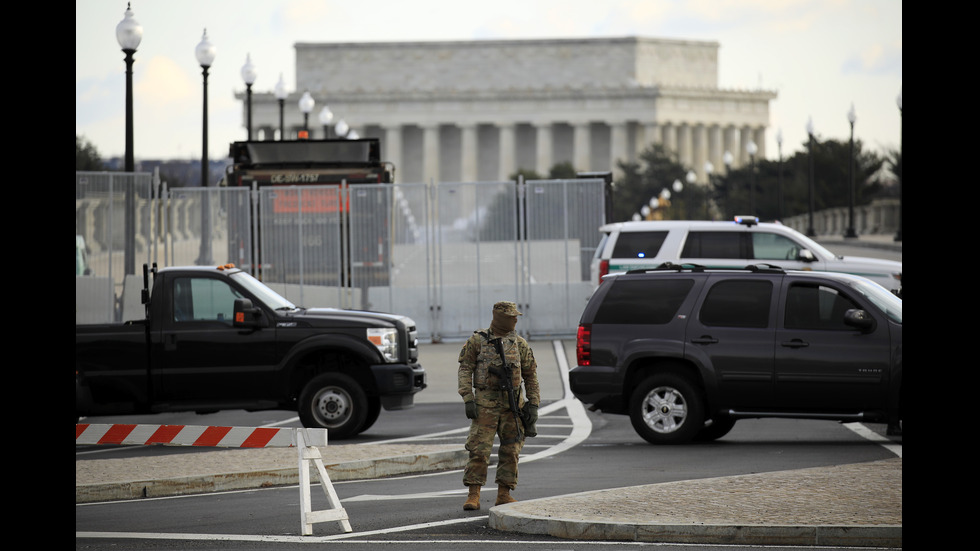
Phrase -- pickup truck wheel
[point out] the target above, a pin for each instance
(374, 410)
(335, 402)
(667, 409)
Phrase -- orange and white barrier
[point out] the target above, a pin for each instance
(306, 440)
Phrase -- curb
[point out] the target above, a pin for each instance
(843, 536)
(268, 478)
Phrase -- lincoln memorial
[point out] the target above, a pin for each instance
(467, 111)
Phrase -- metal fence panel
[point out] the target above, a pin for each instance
(408, 288)
(205, 227)
(477, 254)
(113, 238)
(561, 220)
(441, 254)
(300, 243)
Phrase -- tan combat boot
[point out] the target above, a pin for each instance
(503, 495)
(472, 500)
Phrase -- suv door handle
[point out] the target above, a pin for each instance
(705, 339)
(795, 343)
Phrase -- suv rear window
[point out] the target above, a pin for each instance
(638, 244)
(737, 303)
(643, 301)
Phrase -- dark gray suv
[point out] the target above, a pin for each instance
(686, 351)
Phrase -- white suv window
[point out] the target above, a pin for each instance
(645, 244)
(713, 244)
(771, 246)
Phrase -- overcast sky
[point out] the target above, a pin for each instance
(819, 56)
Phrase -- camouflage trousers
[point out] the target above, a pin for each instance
(494, 417)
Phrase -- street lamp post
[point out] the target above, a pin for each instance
(779, 176)
(326, 117)
(281, 95)
(249, 75)
(205, 53)
(809, 130)
(129, 33)
(751, 149)
(306, 106)
(851, 117)
(898, 100)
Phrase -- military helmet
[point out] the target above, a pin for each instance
(507, 308)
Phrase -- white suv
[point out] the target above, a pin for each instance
(634, 245)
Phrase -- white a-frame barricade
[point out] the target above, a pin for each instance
(306, 441)
(309, 452)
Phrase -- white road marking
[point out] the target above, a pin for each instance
(869, 434)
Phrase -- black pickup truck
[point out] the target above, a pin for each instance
(216, 338)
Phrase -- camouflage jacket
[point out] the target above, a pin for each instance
(479, 354)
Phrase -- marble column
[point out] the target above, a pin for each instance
(699, 150)
(582, 146)
(468, 152)
(684, 146)
(617, 147)
(730, 144)
(652, 135)
(714, 147)
(392, 148)
(507, 144)
(745, 135)
(430, 153)
(544, 149)
(670, 138)
(760, 140)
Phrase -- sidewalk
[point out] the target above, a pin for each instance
(846, 505)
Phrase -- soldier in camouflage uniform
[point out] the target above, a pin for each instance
(488, 405)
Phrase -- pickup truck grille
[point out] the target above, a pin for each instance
(413, 344)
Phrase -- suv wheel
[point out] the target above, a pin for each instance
(667, 409)
(718, 427)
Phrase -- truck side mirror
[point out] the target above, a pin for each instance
(806, 255)
(859, 319)
(245, 314)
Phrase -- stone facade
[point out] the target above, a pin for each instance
(480, 110)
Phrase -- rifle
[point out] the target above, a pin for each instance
(507, 384)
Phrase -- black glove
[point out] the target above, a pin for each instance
(530, 412)
(470, 409)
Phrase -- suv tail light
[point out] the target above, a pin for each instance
(603, 269)
(583, 344)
